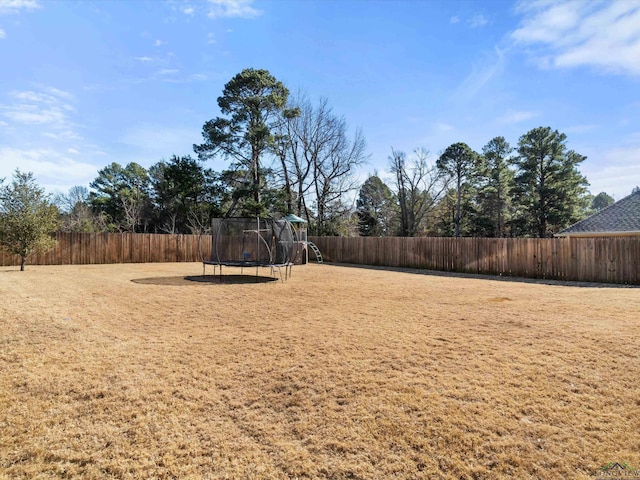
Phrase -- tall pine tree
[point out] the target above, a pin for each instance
(252, 102)
(459, 161)
(550, 191)
(495, 185)
(377, 209)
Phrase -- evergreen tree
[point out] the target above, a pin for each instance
(494, 190)
(376, 209)
(443, 217)
(459, 161)
(602, 200)
(122, 196)
(185, 195)
(252, 101)
(27, 217)
(550, 191)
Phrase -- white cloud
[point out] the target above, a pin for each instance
(58, 93)
(159, 43)
(615, 171)
(232, 8)
(39, 117)
(211, 39)
(8, 7)
(62, 135)
(27, 96)
(579, 129)
(477, 21)
(220, 8)
(2, 34)
(481, 74)
(53, 170)
(32, 114)
(602, 35)
(198, 77)
(155, 142)
(442, 127)
(516, 117)
(101, 87)
(38, 108)
(143, 59)
(171, 75)
(39, 97)
(44, 140)
(545, 22)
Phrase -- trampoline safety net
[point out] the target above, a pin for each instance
(251, 241)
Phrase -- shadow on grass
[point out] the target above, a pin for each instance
(213, 279)
(27, 269)
(499, 278)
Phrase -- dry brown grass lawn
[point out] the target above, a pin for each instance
(131, 371)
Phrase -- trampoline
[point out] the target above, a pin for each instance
(251, 242)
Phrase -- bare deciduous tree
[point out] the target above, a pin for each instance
(318, 159)
(77, 215)
(419, 187)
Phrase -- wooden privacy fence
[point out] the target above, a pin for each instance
(87, 248)
(613, 260)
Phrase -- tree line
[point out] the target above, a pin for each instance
(286, 154)
(532, 190)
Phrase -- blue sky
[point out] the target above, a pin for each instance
(84, 84)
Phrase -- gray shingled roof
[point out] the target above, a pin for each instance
(622, 216)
